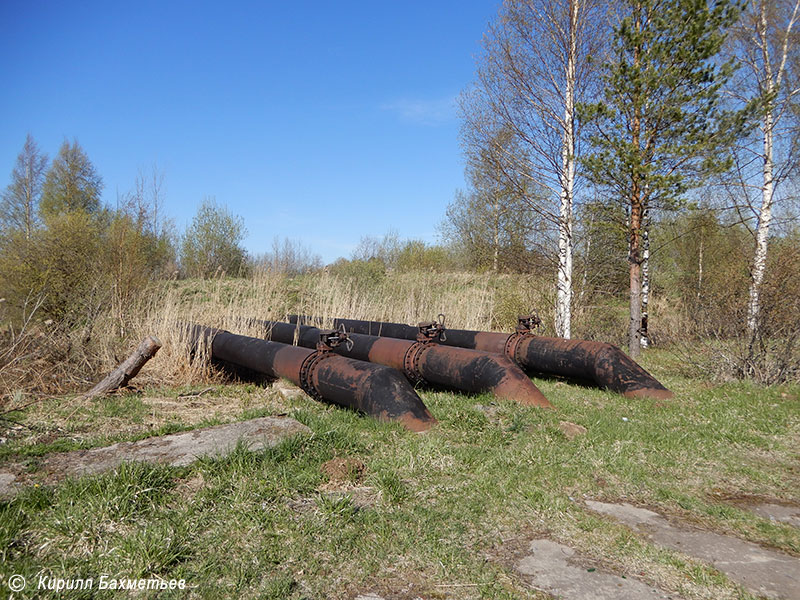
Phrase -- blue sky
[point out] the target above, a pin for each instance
(319, 121)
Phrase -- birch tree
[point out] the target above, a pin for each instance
(19, 203)
(535, 67)
(659, 128)
(765, 42)
(211, 245)
(489, 222)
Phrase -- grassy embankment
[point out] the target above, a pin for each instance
(362, 506)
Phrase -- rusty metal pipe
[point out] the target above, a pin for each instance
(373, 389)
(424, 361)
(604, 364)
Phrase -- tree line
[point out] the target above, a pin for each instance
(64, 251)
(612, 149)
(590, 120)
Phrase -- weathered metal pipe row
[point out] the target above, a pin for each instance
(373, 389)
(605, 364)
(422, 360)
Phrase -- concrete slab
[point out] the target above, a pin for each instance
(777, 512)
(177, 449)
(559, 571)
(764, 572)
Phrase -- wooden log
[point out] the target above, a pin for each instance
(127, 370)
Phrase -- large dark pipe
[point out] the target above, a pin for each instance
(605, 364)
(424, 361)
(373, 389)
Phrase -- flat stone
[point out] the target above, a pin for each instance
(560, 571)
(8, 485)
(177, 449)
(288, 390)
(764, 572)
(777, 512)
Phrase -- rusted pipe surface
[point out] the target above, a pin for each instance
(454, 368)
(602, 363)
(373, 389)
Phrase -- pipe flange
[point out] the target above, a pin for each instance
(307, 368)
(512, 346)
(411, 362)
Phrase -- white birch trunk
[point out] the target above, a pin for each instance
(762, 232)
(772, 79)
(564, 286)
(644, 341)
(496, 234)
(700, 268)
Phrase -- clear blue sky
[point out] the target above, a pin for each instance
(333, 117)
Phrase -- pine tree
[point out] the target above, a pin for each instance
(72, 183)
(660, 129)
(19, 203)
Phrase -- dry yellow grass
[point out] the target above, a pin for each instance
(469, 301)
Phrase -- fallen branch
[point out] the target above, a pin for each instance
(126, 371)
(197, 394)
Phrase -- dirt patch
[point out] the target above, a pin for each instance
(401, 586)
(571, 430)
(343, 470)
(189, 487)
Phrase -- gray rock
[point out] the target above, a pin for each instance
(177, 449)
(8, 485)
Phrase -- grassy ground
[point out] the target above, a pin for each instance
(361, 506)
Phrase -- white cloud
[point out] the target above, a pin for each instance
(423, 112)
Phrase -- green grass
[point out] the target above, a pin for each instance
(435, 511)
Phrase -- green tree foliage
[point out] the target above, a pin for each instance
(602, 252)
(85, 259)
(72, 183)
(59, 263)
(363, 273)
(659, 128)
(416, 255)
(211, 245)
(132, 256)
(287, 256)
(19, 203)
(498, 223)
(702, 264)
(491, 231)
